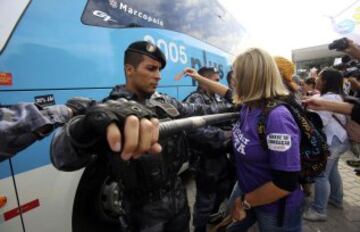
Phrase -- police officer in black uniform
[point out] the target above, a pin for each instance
(213, 171)
(23, 124)
(154, 197)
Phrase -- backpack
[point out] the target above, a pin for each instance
(313, 147)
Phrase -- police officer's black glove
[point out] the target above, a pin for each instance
(89, 131)
(79, 105)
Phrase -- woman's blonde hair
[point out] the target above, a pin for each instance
(257, 77)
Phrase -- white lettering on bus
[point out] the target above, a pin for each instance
(172, 51)
(103, 15)
(122, 6)
(131, 11)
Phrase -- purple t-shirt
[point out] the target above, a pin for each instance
(254, 164)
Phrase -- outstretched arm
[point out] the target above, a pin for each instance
(326, 105)
(23, 124)
(352, 107)
(214, 86)
(353, 49)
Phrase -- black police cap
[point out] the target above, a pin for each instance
(148, 49)
(206, 70)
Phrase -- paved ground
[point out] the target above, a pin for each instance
(347, 219)
(344, 220)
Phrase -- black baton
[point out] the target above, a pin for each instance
(170, 127)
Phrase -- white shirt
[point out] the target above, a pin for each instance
(331, 125)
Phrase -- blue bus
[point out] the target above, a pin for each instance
(52, 50)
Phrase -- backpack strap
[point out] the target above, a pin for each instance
(269, 106)
(338, 120)
(281, 212)
(261, 128)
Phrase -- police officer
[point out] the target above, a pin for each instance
(213, 170)
(155, 199)
(24, 123)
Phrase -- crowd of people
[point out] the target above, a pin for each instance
(259, 157)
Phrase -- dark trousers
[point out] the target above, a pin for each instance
(207, 203)
(169, 214)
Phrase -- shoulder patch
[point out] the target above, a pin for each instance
(278, 142)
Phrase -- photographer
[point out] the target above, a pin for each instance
(349, 65)
(346, 45)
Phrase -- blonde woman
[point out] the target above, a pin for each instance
(267, 178)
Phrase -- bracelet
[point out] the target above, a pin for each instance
(245, 204)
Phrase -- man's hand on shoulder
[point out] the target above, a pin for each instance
(79, 105)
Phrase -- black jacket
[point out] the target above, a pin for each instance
(153, 171)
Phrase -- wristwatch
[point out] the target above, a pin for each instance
(245, 204)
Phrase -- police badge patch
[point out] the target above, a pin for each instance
(150, 47)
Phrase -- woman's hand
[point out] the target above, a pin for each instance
(316, 103)
(188, 72)
(355, 84)
(238, 212)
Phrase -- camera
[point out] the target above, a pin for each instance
(339, 44)
(347, 66)
(344, 62)
(353, 71)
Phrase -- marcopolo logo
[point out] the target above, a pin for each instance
(135, 12)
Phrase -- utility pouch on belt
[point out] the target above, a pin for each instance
(163, 108)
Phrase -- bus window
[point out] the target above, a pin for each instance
(205, 20)
(10, 13)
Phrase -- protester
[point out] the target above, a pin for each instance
(287, 69)
(313, 72)
(261, 186)
(309, 87)
(328, 186)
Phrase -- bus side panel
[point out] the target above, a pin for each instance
(55, 192)
(7, 222)
(51, 53)
(51, 43)
(49, 192)
(185, 91)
